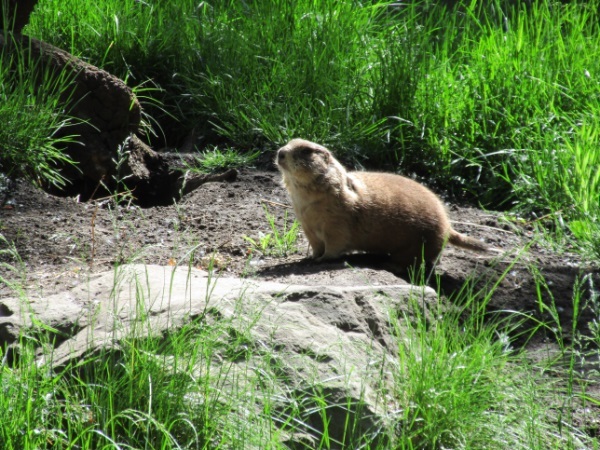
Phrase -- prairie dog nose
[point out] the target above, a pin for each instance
(281, 154)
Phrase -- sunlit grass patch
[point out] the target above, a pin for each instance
(462, 383)
(216, 159)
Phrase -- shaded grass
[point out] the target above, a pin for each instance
(34, 121)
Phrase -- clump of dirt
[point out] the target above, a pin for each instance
(60, 242)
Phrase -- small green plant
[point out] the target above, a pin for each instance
(217, 159)
(121, 195)
(592, 337)
(277, 242)
(261, 244)
(11, 263)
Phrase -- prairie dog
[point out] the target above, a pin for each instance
(373, 212)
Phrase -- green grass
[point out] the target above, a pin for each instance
(215, 160)
(493, 101)
(35, 125)
(277, 242)
(463, 385)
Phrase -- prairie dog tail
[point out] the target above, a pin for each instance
(466, 242)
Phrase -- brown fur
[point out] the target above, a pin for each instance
(373, 212)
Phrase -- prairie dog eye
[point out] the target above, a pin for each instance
(305, 152)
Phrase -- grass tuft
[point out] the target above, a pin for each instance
(34, 123)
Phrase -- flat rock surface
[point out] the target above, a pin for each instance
(109, 305)
(334, 337)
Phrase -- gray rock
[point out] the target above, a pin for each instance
(332, 340)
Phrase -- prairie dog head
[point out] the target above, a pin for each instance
(303, 160)
(304, 163)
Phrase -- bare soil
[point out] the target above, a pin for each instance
(61, 242)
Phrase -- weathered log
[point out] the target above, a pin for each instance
(109, 157)
(107, 110)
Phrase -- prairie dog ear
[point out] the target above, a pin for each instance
(325, 154)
